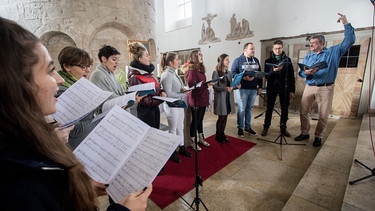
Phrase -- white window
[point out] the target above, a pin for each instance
(184, 9)
(177, 14)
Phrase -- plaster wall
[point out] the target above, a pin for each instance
(267, 18)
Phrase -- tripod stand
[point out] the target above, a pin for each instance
(198, 178)
(365, 177)
(284, 107)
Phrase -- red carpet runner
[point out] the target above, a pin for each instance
(180, 177)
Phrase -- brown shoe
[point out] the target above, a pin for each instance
(264, 132)
(286, 133)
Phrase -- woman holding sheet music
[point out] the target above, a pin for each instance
(140, 72)
(172, 84)
(198, 98)
(39, 171)
(75, 64)
(223, 96)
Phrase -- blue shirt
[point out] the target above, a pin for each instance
(332, 56)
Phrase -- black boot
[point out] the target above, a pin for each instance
(184, 152)
(219, 137)
(224, 137)
(175, 158)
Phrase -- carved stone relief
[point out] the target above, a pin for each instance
(237, 31)
(207, 33)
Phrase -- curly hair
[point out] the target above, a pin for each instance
(107, 51)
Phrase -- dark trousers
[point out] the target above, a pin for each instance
(200, 111)
(284, 103)
(149, 115)
(221, 123)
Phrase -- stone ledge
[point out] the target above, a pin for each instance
(360, 196)
(324, 183)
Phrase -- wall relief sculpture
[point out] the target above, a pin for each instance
(207, 33)
(237, 31)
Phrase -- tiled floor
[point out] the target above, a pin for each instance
(260, 180)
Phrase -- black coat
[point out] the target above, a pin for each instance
(30, 181)
(276, 80)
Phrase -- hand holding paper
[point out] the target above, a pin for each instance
(125, 152)
(78, 101)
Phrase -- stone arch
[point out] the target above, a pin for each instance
(55, 41)
(114, 34)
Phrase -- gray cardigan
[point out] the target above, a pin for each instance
(220, 102)
(172, 84)
(107, 81)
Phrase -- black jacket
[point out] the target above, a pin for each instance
(30, 181)
(276, 80)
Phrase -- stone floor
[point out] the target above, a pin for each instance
(271, 176)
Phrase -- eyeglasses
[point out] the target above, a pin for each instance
(314, 42)
(83, 67)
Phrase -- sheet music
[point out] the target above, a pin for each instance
(125, 152)
(104, 151)
(79, 100)
(140, 87)
(168, 99)
(191, 88)
(144, 164)
(120, 101)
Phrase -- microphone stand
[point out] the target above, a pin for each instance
(357, 161)
(198, 178)
(365, 177)
(284, 107)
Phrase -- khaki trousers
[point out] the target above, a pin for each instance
(323, 96)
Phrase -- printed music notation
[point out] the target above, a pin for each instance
(125, 152)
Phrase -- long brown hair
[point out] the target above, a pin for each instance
(195, 64)
(221, 70)
(22, 122)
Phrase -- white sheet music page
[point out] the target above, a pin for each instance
(141, 87)
(145, 163)
(77, 101)
(120, 101)
(105, 150)
(168, 99)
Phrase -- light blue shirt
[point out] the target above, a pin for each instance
(332, 56)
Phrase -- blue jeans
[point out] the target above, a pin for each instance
(245, 101)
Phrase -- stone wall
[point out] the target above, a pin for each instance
(87, 24)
